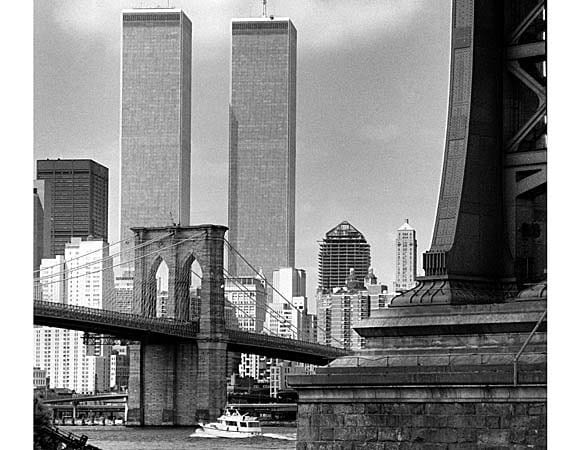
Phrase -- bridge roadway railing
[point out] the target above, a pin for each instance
(112, 319)
(133, 326)
(246, 338)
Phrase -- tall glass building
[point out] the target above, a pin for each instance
(261, 207)
(155, 118)
(75, 201)
(342, 249)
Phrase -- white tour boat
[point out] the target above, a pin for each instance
(233, 424)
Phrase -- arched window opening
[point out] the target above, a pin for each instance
(195, 290)
(161, 278)
(189, 291)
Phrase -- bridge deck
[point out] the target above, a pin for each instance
(139, 328)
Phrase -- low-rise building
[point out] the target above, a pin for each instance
(40, 379)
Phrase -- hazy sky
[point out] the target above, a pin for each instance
(372, 81)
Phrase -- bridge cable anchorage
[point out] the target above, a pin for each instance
(232, 248)
(268, 309)
(100, 260)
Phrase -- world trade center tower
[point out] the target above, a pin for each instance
(155, 118)
(261, 207)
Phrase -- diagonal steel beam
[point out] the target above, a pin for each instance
(515, 35)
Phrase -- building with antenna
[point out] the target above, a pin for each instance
(406, 258)
(156, 66)
(261, 206)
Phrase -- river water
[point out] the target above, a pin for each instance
(132, 438)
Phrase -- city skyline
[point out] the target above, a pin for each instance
(372, 104)
(382, 102)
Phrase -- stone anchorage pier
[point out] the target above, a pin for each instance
(439, 377)
(459, 362)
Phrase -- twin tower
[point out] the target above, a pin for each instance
(156, 131)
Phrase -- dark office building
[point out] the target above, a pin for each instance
(342, 249)
(76, 202)
(261, 214)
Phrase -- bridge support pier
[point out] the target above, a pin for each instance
(162, 385)
(211, 380)
(176, 384)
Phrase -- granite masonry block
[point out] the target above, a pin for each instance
(371, 420)
(388, 434)
(521, 409)
(462, 446)
(493, 409)
(460, 421)
(447, 435)
(434, 446)
(351, 420)
(326, 434)
(371, 408)
(493, 438)
(434, 421)
(358, 408)
(344, 433)
(342, 408)
(493, 422)
(537, 410)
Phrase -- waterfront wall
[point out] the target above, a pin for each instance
(440, 377)
(424, 417)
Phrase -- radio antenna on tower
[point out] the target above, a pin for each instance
(264, 14)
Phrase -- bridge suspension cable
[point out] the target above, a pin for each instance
(122, 263)
(233, 249)
(97, 261)
(83, 255)
(268, 309)
(270, 332)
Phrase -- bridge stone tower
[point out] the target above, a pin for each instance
(174, 382)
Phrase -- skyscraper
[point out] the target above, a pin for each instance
(38, 224)
(75, 201)
(155, 118)
(342, 249)
(406, 256)
(261, 207)
(338, 313)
